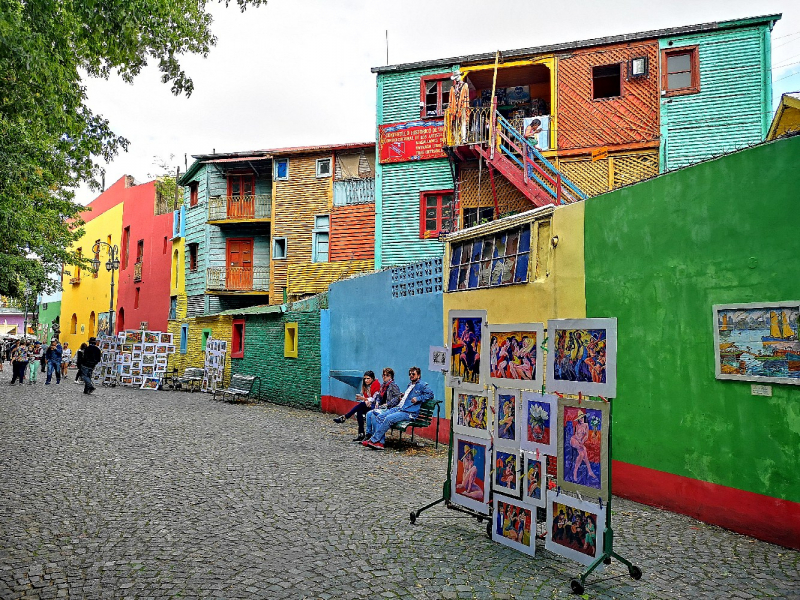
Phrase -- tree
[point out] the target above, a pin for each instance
(49, 139)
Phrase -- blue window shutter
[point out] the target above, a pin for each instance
(184, 337)
(175, 222)
(183, 221)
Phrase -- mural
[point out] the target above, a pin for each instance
(583, 447)
(515, 359)
(471, 473)
(584, 355)
(757, 342)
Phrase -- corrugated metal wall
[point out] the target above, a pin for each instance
(196, 233)
(352, 232)
(314, 278)
(731, 110)
(400, 94)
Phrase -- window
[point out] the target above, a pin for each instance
(193, 193)
(126, 242)
(490, 261)
(638, 67)
(606, 81)
(434, 94)
(290, 340)
(321, 240)
(279, 248)
(476, 216)
(97, 257)
(435, 213)
(164, 251)
(136, 297)
(237, 339)
(323, 167)
(176, 260)
(173, 307)
(680, 71)
(184, 337)
(73, 324)
(204, 339)
(121, 320)
(79, 252)
(193, 257)
(282, 169)
(139, 251)
(241, 184)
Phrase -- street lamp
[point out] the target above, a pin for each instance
(112, 264)
(25, 325)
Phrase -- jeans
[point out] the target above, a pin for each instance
(33, 366)
(371, 420)
(86, 375)
(359, 410)
(385, 421)
(53, 367)
(18, 371)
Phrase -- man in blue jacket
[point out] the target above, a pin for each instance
(416, 393)
(53, 357)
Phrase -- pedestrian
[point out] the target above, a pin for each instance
(78, 362)
(91, 356)
(53, 357)
(66, 358)
(19, 362)
(33, 361)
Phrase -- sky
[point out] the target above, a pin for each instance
(297, 72)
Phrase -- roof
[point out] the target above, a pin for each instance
(614, 39)
(787, 116)
(255, 310)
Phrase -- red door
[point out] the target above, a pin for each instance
(241, 202)
(240, 264)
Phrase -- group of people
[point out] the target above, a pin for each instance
(28, 358)
(576, 529)
(581, 357)
(382, 405)
(512, 358)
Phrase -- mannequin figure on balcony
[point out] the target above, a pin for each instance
(458, 102)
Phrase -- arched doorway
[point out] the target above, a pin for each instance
(121, 320)
(73, 324)
(92, 324)
(176, 262)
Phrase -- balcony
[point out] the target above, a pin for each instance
(237, 280)
(347, 192)
(137, 271)
(237, 209)
(75, 280)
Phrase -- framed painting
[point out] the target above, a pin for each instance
(127, 347)
(515, 356)
(150, 383)
(126, 380)
(152, 337)
(149, 359)
(514, 525)
(539, 412)
(466, 331)
(582, 356)
(583, 447)
(575, 528)
(148, 369)
(505, 477)
(149, 349)
(161, 349)
(757, 342)
(506, 418)
(534, 479)
(471, 414)
(470, 473)
(136, 355)
(166, 338)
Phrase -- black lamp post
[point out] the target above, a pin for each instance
(112, 264)
(25, 325)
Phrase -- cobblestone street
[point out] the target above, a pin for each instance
(128, 493)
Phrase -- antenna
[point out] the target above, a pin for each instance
(387, 47)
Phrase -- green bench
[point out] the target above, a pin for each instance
(427, 412)
(241, 386)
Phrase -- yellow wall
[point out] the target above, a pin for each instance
(92, 294)
(555, 291)
(220, 326)
(314, 278)
(178, 288)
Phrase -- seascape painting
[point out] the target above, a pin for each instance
(757, 342)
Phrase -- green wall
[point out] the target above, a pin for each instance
(48, 312)
(658, 256)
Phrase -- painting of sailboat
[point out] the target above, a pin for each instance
(758, 342)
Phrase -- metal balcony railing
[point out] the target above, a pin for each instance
(470, 126)
(235, 208)
(237, 279)
(137, 271)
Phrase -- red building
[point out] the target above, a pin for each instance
(145, 259)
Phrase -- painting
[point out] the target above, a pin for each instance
(583, 447)
(514, 525)
(575, 528)
(148, 369)
(133, 337)
(471, 414)
(515, 358)
(150, 383)
(538, 416)
(161, 349)
(103, 323)
(506, 418)
(149, 348)
(757, 342)
(583, 357)
(152, 337)
(148, 359)
(166, 338)
(466, 343)
(126, 380)
(437, 359)
(505, 477)
(534, 479)
(470, 473)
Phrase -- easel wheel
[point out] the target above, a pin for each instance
(413, 517)
(635, 572)
(489, 529)
(577, 586)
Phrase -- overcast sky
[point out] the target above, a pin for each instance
(297, 72)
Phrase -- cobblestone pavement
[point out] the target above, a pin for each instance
(137, 494)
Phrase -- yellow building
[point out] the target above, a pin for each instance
(86, 296)
(787, 117)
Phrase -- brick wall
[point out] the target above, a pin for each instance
(220, 327)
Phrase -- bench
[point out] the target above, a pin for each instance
(427, 411)
(241, 386)
(190, 377)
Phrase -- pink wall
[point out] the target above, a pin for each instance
(138, 213)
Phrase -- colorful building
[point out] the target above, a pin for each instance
(787, 118)
(49, 314)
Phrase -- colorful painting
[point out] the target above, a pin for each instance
(506, 476)
(103, 323)
(149, 348)
(583, 447)
(151, 337)
(471, 414)
(148, 369)
(466, 344)
(506, 421)
(166, 338)
(148, 359)
(150, 383)
(534, 480)
(539, 413)
(161, 349)
(470, 473)
(133, 337)
(575, 528)
(514, 525)
(583, 356)
(758, 342)
(515, 359)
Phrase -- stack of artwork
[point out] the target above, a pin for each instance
(506, 428)
(134, 358)
(214, 364)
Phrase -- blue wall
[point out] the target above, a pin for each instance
(369, 329)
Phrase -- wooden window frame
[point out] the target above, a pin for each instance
(275, 174)
(183, 341)
(694, 60)
(237, 337)
(193, 255)
(194, 193)
(241, 176)
(621, 81)
(424, 234)
(423, 81)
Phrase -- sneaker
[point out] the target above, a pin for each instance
(339, 419)
(360, 437)
(47, 383)
(366, 443)
(91, 390)
(375, 445)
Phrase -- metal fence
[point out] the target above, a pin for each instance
(237, 279)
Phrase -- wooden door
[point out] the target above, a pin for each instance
(240, 264)
(241, 199)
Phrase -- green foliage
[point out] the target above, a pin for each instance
(49, 139)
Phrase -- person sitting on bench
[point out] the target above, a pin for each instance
(416, 393)
(369, 388)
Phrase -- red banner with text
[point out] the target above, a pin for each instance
(414, 140)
